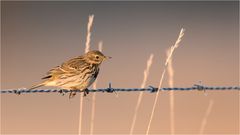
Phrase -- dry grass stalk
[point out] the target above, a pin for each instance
(146, 73)
(100, 46)
(87, 48)
(171, 98)
(181, 34)
(207, 113)
(89, 27)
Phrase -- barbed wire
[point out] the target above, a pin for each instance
(150, 89)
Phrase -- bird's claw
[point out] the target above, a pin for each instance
(62, 92)
(17, 92)
(72, 94)
(85, 92)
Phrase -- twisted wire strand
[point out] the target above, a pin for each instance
(150, 89)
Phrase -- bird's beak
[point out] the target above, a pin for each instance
(107, 57)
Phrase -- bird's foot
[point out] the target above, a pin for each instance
(72, 94)
(85, 92)
(62, 92)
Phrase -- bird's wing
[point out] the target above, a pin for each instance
(74, 64)
(71, 67)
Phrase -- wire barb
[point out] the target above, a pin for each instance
(153, 89)
(110, 89)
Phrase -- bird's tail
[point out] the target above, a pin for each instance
(36, 86)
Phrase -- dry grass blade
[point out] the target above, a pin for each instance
(146, 72)
(93, 108)
(87, 47)
(88, 39)
(100, 46)
(171, 98)
(161, 80)
(204, 121)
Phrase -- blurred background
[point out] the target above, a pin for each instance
(37, 36)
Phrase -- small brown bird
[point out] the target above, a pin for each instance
(75, 74)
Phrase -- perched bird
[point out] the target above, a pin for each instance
(75, 74)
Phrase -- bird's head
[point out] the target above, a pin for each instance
(95, 57)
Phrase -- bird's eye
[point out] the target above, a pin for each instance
(97, 57)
